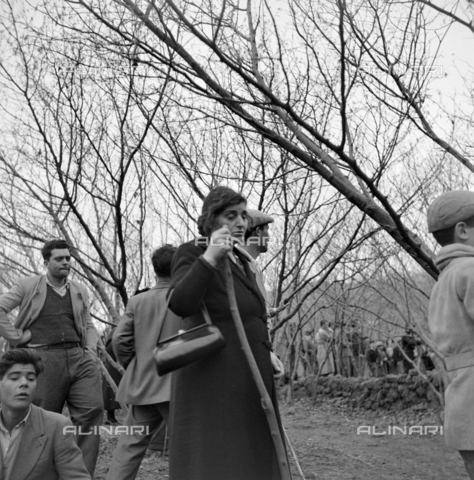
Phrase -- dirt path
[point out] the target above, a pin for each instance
(328, 447)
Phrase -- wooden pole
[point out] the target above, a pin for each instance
(265, 397)
(298, 466)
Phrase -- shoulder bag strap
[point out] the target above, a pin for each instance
(205, 314)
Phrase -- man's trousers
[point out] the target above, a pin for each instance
(131, 449)
(72, 376)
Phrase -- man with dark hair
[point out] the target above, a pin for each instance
(34, 444)
(48, 247)
(161, 261)
(54, 320)
(146, 393)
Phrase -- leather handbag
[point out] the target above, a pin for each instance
(187, 346)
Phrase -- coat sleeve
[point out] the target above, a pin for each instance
(8, 302)
(123, 339)
(67, 456)
(191, 276)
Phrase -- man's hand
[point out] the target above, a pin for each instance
(25, 338)
(278, 368)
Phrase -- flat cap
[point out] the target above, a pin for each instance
(258, 218)
(450, 208)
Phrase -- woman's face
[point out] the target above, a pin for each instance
(235, 217)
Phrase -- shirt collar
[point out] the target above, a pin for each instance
(66, 285)
(23, 422)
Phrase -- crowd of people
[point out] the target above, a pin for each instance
(350, 354)
(212, 407)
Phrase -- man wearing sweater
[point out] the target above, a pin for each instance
(54, 320)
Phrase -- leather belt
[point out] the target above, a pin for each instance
(57, 346)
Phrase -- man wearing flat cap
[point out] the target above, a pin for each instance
(451, 314)
(256, 242)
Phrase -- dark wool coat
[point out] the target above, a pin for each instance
(218, 427)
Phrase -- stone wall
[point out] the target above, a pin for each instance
(390, 392)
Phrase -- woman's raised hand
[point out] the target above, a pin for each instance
(220, 243)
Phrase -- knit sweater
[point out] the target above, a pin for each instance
(55, 323)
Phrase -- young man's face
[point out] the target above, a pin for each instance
(59, 265)
(18, 386)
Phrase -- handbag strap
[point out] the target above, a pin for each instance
(205, 314)
(204, 311)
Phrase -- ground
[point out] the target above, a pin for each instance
(324, 437)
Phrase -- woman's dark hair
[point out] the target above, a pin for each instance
(23, 356)
(161, 260)
(214, 204)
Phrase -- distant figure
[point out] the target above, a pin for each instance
(34, 444)
(309, 352)
(382, 361)
(372, 357)
(398, 358)
(451, 315)
(409, 344)
(347, 366)
(357, 347)
(323, 340)
(391, 365)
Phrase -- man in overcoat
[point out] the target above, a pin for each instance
(146, 393)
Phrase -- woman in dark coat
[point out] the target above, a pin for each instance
(218, 427)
